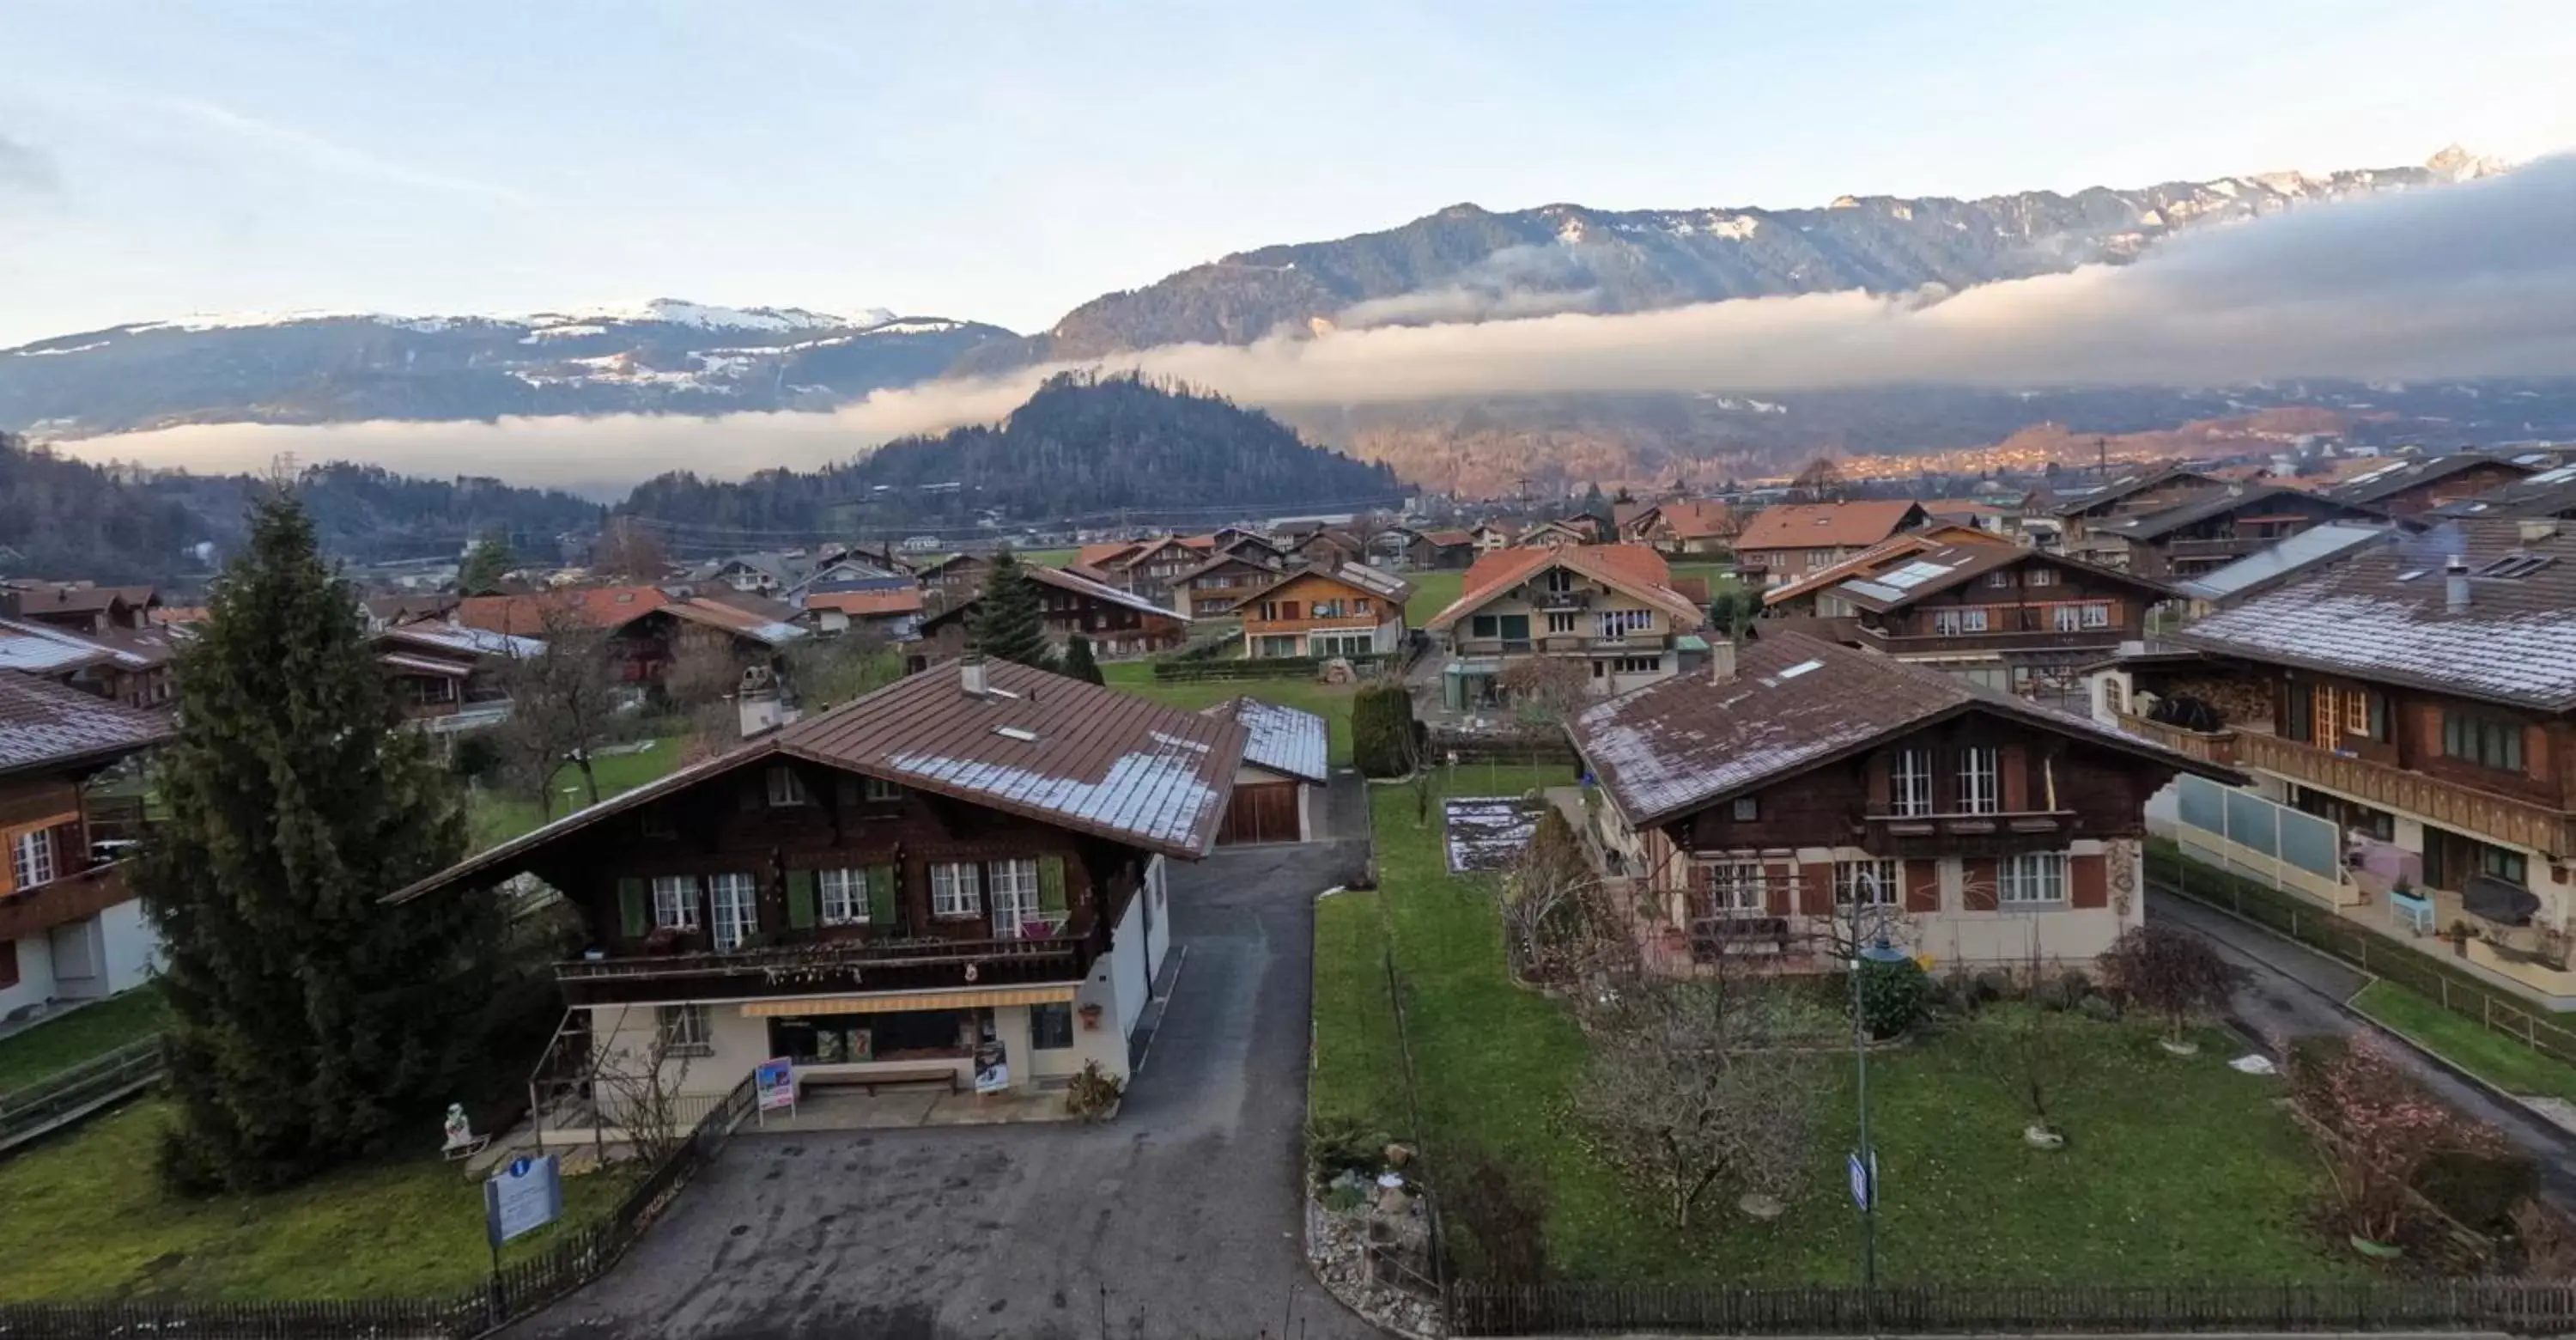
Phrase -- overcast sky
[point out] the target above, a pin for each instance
(1004, 163)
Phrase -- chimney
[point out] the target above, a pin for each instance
(970, 674)
(2455, 584)
(1721, 660)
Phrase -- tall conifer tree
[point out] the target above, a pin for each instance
(1079, 663)
(314, 1023)
(1007, 623)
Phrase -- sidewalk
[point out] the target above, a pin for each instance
(2290, 991)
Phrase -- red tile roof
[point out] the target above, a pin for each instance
(525, 616)
(1825, 525)
(869, 604)
(1630, 568)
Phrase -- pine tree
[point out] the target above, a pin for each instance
(1078, 662)
(313, 1023)
(1007, 623)
(485, 565)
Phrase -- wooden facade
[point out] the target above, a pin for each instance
(1319, 614)
(1213, 587)
(2033, 603)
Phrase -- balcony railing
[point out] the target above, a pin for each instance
(1995, 640)
(1560, 600)
(2217, 747)
(83, 893)
(2451, 804)
(2002, 834)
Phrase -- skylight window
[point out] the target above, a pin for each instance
(1800, 668)
(2560, 475)
(1021, 734)
(2517, 565)
(2411, 574)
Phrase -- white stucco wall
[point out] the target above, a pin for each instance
(1158, 935)
(35, 976)
(1130, 979)
(133, 950)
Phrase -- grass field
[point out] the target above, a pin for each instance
(2175, 1170)
(1332, 702)
(496, 817)
(92, 1030)
(87, 1219)
(2509, 1065)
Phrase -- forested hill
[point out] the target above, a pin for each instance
(1081, 447)
(67, 519)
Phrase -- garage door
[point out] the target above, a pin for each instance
(1261, 812)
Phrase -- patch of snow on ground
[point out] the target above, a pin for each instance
(1487, 832)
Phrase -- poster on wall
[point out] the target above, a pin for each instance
(992, 1064)
(774, 1082)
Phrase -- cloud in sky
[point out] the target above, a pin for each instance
(2470, 280)
(26, 169)
(324, 154)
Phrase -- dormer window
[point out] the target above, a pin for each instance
(1557, 581)
(785, 787)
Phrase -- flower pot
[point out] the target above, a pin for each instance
(2042, 1137)
(2377, 1251)
(2179, 1047)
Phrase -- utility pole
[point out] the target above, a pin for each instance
(2101, 460)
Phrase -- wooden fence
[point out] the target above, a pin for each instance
(2454, 989)
(68, 1095)
(521, 1287)
(2511, 1306)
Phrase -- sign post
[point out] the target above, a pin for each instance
(520, 1197)
(774, 1080)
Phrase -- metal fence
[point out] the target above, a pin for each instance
(517, 1289)
(68, 1095)
(2454, 989)
(2509, 1306)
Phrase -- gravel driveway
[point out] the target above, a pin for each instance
(1180, 1219)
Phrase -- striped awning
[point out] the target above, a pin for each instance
(914, 1000)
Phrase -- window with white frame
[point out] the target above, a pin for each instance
(845, 897)
(1561, 622)
(2037, 877)
(2041, 577)
(1747, 808)
(2066, 618)
(1864, 883)
(879, 789)
(31, 858)
(1980, 774)
(2097, 614)
(2000, 579)
(1909, 777)
(733, 902)
(686, 1030)
(1620, 623)
(1949, 622)
(675, 902)
(1736, 888)
(785, 787)
(1340, 644)
(1015, 897)
(956, 889)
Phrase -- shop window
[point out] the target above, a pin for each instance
(1051, 1026)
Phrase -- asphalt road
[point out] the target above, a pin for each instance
(1180, 1219)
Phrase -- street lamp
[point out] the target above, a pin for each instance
(1864, 1160)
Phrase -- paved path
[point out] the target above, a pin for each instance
(1186, 1210)
(2290, 991)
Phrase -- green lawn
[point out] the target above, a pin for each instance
(2176, 1169)
(92, 1030)
(1332, 702)
(496, 817)
(2499, 1060)
(87, 1219)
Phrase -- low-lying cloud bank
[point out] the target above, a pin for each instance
(2464, 281)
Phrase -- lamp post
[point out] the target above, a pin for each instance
(1864, 1161)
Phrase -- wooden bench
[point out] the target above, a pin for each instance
(945, 1073)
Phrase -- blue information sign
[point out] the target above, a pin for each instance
(1864, 1178)
(522, 1196)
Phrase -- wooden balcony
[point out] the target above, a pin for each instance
(84, 893)
(2217, 747)
(2450, 804)
(1927, 644)
(1560, 600)
(1922, 836)
(809, 965)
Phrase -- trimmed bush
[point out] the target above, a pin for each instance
(1382, 731)
(1892, 996)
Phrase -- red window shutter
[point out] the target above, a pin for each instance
(1816, 890)
(2015, 763)
(2089, 880)
(1922, 886)
(1981, 890)
(1780, 888)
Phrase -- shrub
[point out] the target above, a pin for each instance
(1335, 1145)
(1382, 731)
(1505, 1221)
(1093, 1093)
(2478, 1189)
(1892, 996)
(2169, 971)
(478, 755)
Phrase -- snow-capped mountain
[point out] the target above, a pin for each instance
(321, 367)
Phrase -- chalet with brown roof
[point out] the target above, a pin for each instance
(2065, 515)
(1216, 586)
(70, 927)
(2407, 716)
(1798, 798)
(956, 881)
(1810, 596)
(2211, 530)
(953, 578)
(1683, 528)
(1439, 550)
(1794, 539)
(1609, 608)
(648, 626)
(1497, 533)
(80, 607)
(1119, 623)
(1351, 610)
(2412, 487)
(2021, 620)
(1562, 530)
(1327, 548)
(450, 677)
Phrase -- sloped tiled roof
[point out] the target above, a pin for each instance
(2384, 615)
(47, 725)
(1795, 702)
(2552, 492)
(459, 640)
(2216, 503)
(2092, 498)
(598, 606)
(1894, 549)
(1691, 519)
(1084, 586)
(765, 623)
(1946, 566)
(1282, 739)
(1826, 525)
(1630, 568)
(868, 604)
(2398, 476)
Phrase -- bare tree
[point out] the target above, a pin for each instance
(1549, 897)
(631, 550)
(636, 1087)
(1545, 690)
(2170, 971)
(828, 671)
(563, 700)
(2033, 1057)
(1821, 481)
(1690, 1083)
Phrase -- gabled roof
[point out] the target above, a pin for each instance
(762, 621)
(1795, 703)
(597, 606)
(1056, 750)
(1084, 586)
(1885, 553)
(2552, 492)
(48, 725)
(1827, 525)
(1631, 569)
(2095, 498)
(1103, 554)
(2398, 476)
(1358, 577)
(868, 604)
(1585, 529)
(1446, 539)
(1946, 566)
(1230, 556)
(1687, 518)
(2222, 501)
(2384, 615)
(458, 640)
(1280, 739)
(2331, 542)
(33, 598)
(947, 561)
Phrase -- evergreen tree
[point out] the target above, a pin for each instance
(1078, 662)
(313, 1023)
(485, 565)
(1007, 624)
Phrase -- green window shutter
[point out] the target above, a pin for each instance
(1051, 885)
(800, 899)
(635, 914)
(883, 889)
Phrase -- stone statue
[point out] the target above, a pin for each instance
(460, 1132)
